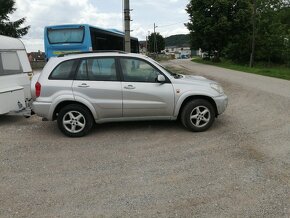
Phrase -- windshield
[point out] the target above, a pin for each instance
(175, 75)
(72, 35)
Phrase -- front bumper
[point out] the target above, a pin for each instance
(221, 103)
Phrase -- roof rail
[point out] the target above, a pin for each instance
(91, 52)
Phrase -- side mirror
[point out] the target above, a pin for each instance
(161, 79)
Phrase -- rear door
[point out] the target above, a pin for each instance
(97, 81)
(143, 96)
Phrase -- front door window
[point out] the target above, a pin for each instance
(135, 70)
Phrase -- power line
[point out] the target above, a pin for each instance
(172, 24)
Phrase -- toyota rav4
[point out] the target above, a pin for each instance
(80, 89)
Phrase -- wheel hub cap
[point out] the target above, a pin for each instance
(200, 116)
(74, 121)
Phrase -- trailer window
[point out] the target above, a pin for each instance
(9, 63)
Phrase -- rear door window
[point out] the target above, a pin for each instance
(97, 69)
(9, 63)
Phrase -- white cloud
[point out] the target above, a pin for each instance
(105, 14)
(33, 45)
(54, 12)
(141, 33)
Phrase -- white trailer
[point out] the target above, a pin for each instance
(15, 75)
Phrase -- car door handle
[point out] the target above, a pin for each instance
(83, 85)
(130, 87)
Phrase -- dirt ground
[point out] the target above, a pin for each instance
(238, 168)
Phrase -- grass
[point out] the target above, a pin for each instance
(276, 71)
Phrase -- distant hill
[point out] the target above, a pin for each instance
(181, 40)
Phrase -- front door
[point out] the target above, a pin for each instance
(143, 96)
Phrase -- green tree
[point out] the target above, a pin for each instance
(273, 30)
(214, 25)
(159, 40)
(8, 27)
(238, 46)
(224, 27)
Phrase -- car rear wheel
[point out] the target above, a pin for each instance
(198, 115)
(75, 120)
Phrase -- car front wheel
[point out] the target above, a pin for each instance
(75, 120)
(198, 115)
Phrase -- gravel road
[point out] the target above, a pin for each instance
(239, 168)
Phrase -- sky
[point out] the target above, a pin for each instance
(169, 16)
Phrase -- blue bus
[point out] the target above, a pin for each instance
(70, 38)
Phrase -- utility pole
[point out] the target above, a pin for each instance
(155, 40)
(147, 42)
(127, 20)
(254, 33)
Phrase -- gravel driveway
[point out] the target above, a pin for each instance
(239, 168)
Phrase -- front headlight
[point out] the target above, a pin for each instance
(217, 87)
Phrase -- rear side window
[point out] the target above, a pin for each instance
(97, 69)
(9, 63)
(64, 71)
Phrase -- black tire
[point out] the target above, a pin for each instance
(198, 115)
(75, 120)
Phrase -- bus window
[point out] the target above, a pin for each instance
(83, 38)
(56, 36)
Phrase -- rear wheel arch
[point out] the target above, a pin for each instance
(65, 103)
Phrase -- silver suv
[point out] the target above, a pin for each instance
(80, 89)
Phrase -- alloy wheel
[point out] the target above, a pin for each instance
(200, 116)
(74, 121)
